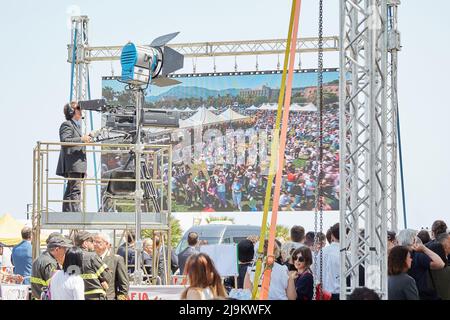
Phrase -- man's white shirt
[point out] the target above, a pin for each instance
(331, 268)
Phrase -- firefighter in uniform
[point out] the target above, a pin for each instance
(47, 263)
(95, 273)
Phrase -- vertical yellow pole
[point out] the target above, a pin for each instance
(284, 127)
(274, 149)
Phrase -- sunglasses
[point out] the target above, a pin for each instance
(299, 259)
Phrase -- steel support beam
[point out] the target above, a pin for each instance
(217, 49)
(363, 162)
(392, 105)
(80, 81)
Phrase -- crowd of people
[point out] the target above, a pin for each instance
(227, 182)
(306, 267)
(417, 270)
(420, 269)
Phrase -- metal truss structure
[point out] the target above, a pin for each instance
(216, 49)
(393, 47)
(79, 86)
(368, 101)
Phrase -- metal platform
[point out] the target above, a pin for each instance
(120, 216)
(103, 220)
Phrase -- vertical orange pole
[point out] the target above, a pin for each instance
(276, 197)
(273, 159)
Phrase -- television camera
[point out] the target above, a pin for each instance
(120, 121)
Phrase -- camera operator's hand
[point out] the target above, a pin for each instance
(86, 139)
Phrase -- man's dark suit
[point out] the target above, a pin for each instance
(130, 253)
(147, 260)
(163, 253)
(71, 164)
(183, 256)
(119, 284)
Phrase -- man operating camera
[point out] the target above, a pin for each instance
(72, 162)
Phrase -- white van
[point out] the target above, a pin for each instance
(219, 233)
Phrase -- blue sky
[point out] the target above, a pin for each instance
(36, 76)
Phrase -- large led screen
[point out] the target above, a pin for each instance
(222, 149)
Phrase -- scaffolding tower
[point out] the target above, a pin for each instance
(47, 202)
(368, 101)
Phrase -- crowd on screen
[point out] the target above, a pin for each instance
(226, 183)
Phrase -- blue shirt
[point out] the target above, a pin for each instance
(21, 258)
(309, 188)
(221, 187)
(237, 187)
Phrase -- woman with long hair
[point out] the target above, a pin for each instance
(67, 284)
(301, 281)
(204, 280)
(401, 286)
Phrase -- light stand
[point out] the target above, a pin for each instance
(141, 67)
(138, 150)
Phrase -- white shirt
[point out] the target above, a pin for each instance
(278, 281)
(5, 260)
(66, 287)
(331, 268)
(104, 254)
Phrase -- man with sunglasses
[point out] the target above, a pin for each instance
(72, 162)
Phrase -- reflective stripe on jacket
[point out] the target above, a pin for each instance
(41, 271)
(94, 272)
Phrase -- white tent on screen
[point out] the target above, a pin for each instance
(252, 108)
(269, 107)
(201, 118)
(211, 108)
(309, 107)
(230, 115)
(295, 107)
